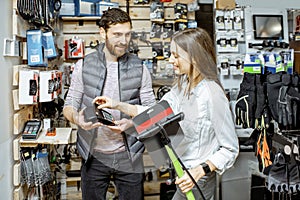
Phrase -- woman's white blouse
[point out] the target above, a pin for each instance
(208, 126)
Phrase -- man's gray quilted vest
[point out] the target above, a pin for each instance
(93, 74)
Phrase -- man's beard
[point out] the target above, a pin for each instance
(112, 49)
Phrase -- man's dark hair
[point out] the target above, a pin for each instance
(114, 16)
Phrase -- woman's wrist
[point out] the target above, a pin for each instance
(197, 173)
(211, 165)
(126, 108)
(206, 169)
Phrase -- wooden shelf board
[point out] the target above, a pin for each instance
(62, 137)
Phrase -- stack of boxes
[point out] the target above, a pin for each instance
(85, 7)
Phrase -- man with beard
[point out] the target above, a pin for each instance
(113, 72)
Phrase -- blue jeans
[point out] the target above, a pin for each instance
(102, 168)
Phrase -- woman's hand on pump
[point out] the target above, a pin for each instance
(185, 183)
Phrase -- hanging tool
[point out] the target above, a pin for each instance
(127, 6)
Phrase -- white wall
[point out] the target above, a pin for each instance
(289, 4)
(270, 3)
(264, 3)
(6, 109)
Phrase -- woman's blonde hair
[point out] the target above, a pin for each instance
(200, 49)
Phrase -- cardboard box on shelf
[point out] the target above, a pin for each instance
(225, 4)
(103, 6)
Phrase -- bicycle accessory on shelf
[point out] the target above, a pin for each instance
(51, 131)
(32, 129)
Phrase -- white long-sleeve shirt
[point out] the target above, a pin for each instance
(208, 126)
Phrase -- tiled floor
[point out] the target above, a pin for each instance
(72, 194)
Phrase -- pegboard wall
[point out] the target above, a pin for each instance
(235, 37)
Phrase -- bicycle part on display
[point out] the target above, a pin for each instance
(32, 129)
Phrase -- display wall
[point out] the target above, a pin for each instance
(6, 136)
